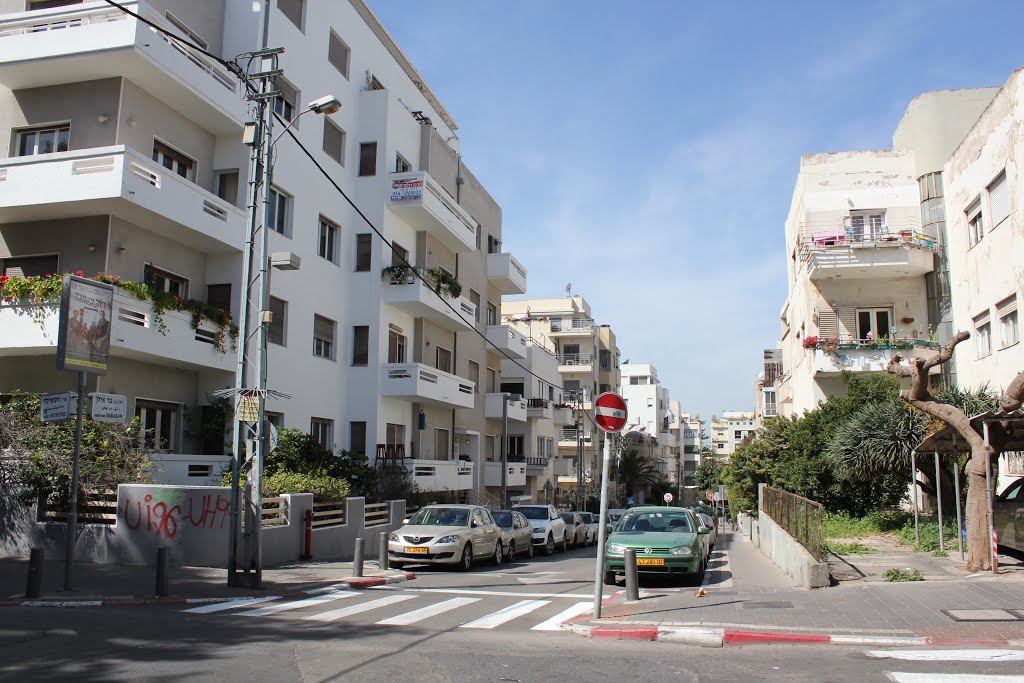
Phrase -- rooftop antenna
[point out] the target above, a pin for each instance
(568, 289)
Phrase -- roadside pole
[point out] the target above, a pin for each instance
(72, 523)
(602, 529)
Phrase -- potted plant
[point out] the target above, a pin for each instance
(442, 280)
(810, 342)
(830, 345)
(399, 274)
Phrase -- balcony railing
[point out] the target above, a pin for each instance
(423, 298)
(832, 356)
(507, 274)
(572, 325)
(574, 396)
(493, 407)
(571, 434)
(576, 359)
(424, 203)
(426, 384)
(441, 475)
(878, 251)
(508, 339)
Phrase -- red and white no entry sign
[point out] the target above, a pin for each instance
(610, 412)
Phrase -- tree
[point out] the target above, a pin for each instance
(708, 475)
(636, 471)
(918, 395)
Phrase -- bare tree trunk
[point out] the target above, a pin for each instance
(979, 554)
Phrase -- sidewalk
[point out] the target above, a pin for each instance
(750, 600)
(113, 584)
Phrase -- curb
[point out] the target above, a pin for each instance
(353, 583)
(716, 637)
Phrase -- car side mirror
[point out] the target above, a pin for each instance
(704, 531)
(472, 525)
(405, 521)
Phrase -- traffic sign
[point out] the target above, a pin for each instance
(54, 407)
(610, 412)
(109, 407)
(629, 500)
(668, 497)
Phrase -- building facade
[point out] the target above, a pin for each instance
(729, 431)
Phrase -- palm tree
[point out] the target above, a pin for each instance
(636, 471)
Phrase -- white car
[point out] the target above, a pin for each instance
(548, 527)
(590, 520)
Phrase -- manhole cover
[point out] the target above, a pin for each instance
(767, 605)
(980, 615)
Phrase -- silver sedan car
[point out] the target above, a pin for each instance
(516, 533)
(456, 535)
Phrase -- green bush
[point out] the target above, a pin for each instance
(847, 548)
(896, 575)
(322, 487)
(929, 529)
(844, 526)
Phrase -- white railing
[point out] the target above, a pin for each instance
(575, 359)
(60, 19)
(571, 325)
(418, 187)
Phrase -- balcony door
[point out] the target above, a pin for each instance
(396, 347)
(873, 323)
(442, 444)
(867, 225)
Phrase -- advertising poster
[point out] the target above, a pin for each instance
(83, 341)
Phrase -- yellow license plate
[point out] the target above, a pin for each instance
(650, 562)
(415, 551)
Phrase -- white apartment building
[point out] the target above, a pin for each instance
(126, 157)
(691, 447)
(729, 431)
(650, 417)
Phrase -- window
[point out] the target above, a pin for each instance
(493, 245)
(492, 314)
(159, 425)
(163, 281)
(489, 447)
(866, 225)
(276, 419)
(280, 211)
(226, 185)
(284, 104)
(357, 437)
(474, 375)
(1006, 311)
(360, 345)
(374, 83)
(401, 165)
(29, 266)
(44, 140)
(474, 298)
(368, 158)
(219, 296)
(442, 444)
(444, 359)
(975, 223)
(492, 381)
(322, 431)
(999, 199)
(873, 323)
(399, 254)
(323, 337)
(396, 346)
(394, 434)
(516, 445)
(278, 321)
(327, 241)
(770, 408)
(983, 334)
(174, 160)
(334, 141)
(49, 4)
(363, 254)
(188, 33)
(338, 54)
(294, 10)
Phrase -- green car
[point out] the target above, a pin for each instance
(668, 542)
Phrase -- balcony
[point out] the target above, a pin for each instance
(562, 416)
(539, 409)
(516, 474)
(508, 339)
(536, 467)
(441, 475)
(575, 396)
(567, 436)
(118, 181)
(566, 327)
(866, 253)
(506, 273)
(418, 382)
(425, 205)
(565, 467)
(136, 334)
(94, 40)
(492, 408)
(865, 356)
(417, 298)
(569, 363)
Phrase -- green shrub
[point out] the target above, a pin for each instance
(847, 548)
(940, 553)
(844, 526)
(320, 485)
(929, 530)
(896, 575)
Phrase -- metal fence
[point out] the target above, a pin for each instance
(799, 516)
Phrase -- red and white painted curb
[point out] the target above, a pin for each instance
(717, 637)
(349, 584)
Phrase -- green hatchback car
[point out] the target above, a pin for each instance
(668, 542)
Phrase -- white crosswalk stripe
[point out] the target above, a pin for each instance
(299, 604)
(505, 615)
(231, 604)
(555, 622)
(912, 677)
(427, 612)
(357, 609)
(991, 655)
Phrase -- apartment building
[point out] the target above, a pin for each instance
(126, 157)
(650, 418)
(729, 431)
(691, 447)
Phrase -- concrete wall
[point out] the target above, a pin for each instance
(788, 555)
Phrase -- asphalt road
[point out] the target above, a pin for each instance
(418, 634)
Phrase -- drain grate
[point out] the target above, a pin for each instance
(767, 605)
(982, 615)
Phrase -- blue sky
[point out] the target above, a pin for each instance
(646, 151)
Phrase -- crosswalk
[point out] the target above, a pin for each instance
(995, 665)
(434, 609)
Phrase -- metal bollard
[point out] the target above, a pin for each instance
(382, 553)
(308, 554)
(161, 571)
(632, 581)
(35, 573)
(357, 561)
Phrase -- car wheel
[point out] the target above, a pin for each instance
(609, 579)
(549, 547)
(466, 563)
(511, 554)
(565, 542)
(529, 550)
(498, 554)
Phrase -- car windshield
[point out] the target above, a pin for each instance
(440, 517)
(567, 517)
(502, 518)
(675, 522)
(587, 518)
(534, 513)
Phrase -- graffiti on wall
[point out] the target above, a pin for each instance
(165, 512)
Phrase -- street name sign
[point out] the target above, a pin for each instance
(55, 407)
(109, 407)
(610, 412)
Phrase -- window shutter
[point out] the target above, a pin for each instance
(847, 321)
(982, 319)
(32, 266)
(337, 54)
(334, 142)
(1006, 306)
(275, 331)
(999, 198)
(323, 328)
(293, 10)
(828, 323)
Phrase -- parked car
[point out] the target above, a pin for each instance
(1009, 516)
(575, 529)
(548, 526)
(709, 522)
(668, 541)
(446, 534)
(590, 521)
(613, 517)
(516, 533)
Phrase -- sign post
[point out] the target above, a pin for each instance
(610, 417)
(83, 344)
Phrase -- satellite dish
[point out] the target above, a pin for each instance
(568, 288)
